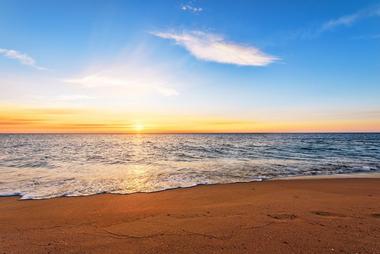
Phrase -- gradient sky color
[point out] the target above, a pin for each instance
(189, 66)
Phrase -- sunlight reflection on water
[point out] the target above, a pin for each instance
(44, 166)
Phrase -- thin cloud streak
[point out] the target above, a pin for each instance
(342, 21)
(21, 58)
(129, 79)
(348, 20)
(333, 24)
(215, 48)
(188, 7)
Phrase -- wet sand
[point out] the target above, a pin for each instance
(298, 216)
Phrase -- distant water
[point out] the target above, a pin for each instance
(46, 166)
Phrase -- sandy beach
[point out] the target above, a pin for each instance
(298, 216)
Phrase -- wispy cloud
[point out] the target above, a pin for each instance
(348, 20)
(190, 8)
(21, 57)
(125, 77)
(215, 48)
(333, 24)
(341, 21)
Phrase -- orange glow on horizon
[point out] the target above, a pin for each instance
(52, 120)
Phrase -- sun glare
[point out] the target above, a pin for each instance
(138, 127)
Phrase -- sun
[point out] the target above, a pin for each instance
(138, 127)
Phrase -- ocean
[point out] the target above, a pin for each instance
(38, 166)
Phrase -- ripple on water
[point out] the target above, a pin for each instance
(45, 166)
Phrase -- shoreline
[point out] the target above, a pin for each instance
(298, 216)
(360, 175)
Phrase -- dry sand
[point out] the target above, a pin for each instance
(299, 216)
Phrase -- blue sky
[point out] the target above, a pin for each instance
(259, 63)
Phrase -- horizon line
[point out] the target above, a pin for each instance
(167, 133)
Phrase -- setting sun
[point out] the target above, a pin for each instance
(189, 126)
(138, 127)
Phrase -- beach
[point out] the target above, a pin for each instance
(292, 216)
(189, 127)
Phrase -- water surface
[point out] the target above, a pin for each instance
(51, 165)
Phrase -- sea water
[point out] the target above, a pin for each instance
(37, 166)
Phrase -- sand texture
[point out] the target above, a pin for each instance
(295, 216)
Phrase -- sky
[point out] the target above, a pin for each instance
(189, 66)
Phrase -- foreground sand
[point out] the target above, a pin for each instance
(296, 216)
